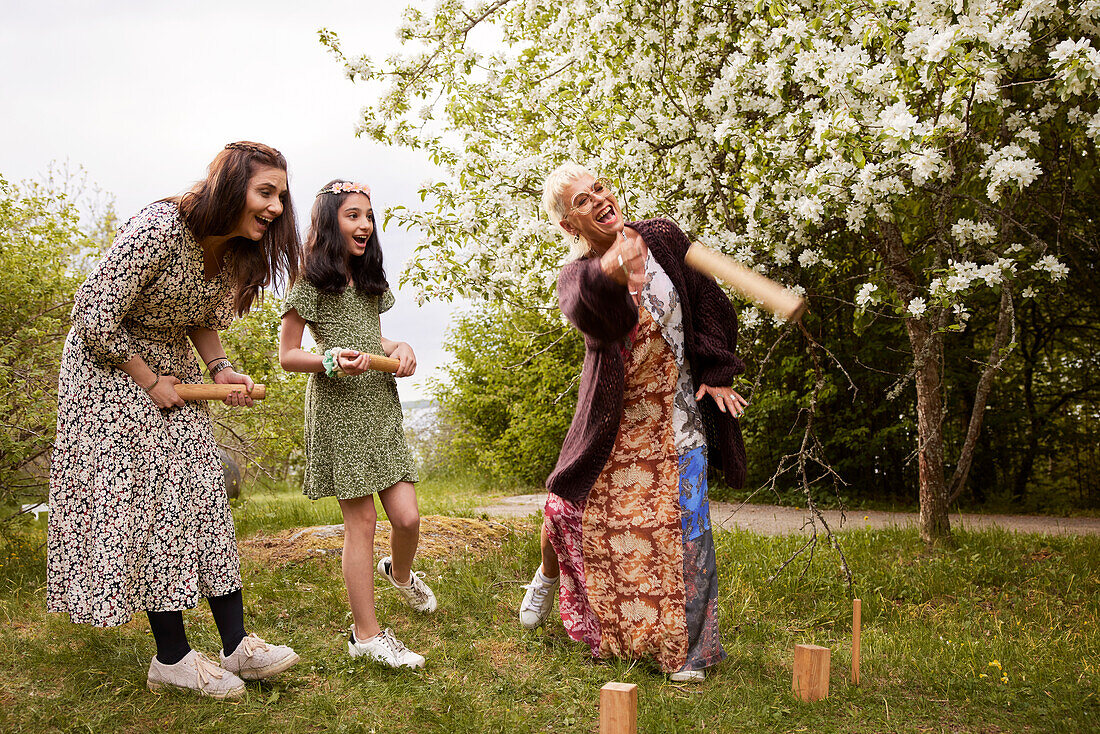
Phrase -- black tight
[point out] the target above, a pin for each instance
(228, 614)
(171, 638)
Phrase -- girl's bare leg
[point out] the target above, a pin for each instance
(400, 503)
(360, 518)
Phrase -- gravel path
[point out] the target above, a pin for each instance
(776, 520)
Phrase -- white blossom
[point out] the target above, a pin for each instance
(1052, 265)
(809, 257)
(749, 318)
(917, 307)
(865, 295)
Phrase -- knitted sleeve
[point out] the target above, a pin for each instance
(598, 306)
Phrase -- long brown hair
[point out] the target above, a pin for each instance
(326, 264)
(213, 207)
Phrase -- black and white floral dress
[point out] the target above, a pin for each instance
(139, 518)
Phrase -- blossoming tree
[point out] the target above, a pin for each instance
(944, 137)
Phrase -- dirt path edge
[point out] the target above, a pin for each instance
(776, 520)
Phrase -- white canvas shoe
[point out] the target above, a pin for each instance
(386, 649)
(197, 673)
(255, 659)
(538, 601)
(417, 594)
(688, 676)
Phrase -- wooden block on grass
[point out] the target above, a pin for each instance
(619, 708)
(811, 672)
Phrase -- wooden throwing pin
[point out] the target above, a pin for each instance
(856, 622)
(781, 301)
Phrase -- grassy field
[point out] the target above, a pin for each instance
(997, 635)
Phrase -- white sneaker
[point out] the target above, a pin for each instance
(254, 659)
(417, 594)
(688, 676)
(538, 601)
(197, 673)
(386, 649)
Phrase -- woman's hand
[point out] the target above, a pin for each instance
(404, 354)
(624, 263)
(353, 363)
(232, 377)
(726, 397)
(164, 393)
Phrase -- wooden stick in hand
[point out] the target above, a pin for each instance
(383, 364)
(749, 283)
(206, 391)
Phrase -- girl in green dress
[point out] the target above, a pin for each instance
(355, 443)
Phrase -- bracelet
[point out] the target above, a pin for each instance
(150, 388)
(209, 362)
(330, 361)
(219, 365)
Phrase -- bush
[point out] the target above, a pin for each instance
(510, 391)
(39, 234)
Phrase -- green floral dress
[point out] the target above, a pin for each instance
(355, 442)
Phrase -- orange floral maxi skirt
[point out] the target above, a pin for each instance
(638, 573)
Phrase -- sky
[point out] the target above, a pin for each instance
(143, 94)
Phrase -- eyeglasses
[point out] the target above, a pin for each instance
(583, 201)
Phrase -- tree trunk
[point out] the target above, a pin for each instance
(927, 345)
(935, 526)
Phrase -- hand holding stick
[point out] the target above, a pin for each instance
(206, 391)
(376, 362)
(749, 283)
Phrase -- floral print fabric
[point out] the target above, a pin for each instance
(693, 493)
(355, 441)
(563, 522)
(659, 297)
(139, 519)
(638, 572)
(630, 529)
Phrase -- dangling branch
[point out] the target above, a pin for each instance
(811, 451)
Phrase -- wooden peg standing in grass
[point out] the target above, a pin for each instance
(619, 708)
(811, 672)
(856, 621)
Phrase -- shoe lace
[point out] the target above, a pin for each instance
(539, 592)
(207, 669)
(395, 645)
(253, 644)
(416, 583)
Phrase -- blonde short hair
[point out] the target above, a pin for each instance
(554, 204)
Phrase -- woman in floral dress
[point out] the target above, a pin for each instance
(627, 527)
(139, 519)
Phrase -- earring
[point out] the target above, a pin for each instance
(576, 238)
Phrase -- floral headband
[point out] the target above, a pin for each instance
(346, 187)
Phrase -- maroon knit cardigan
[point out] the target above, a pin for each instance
(604, 312)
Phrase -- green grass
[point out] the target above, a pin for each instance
(270, 509)
(934, 623)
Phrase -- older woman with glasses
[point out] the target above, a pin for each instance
(627, 528)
